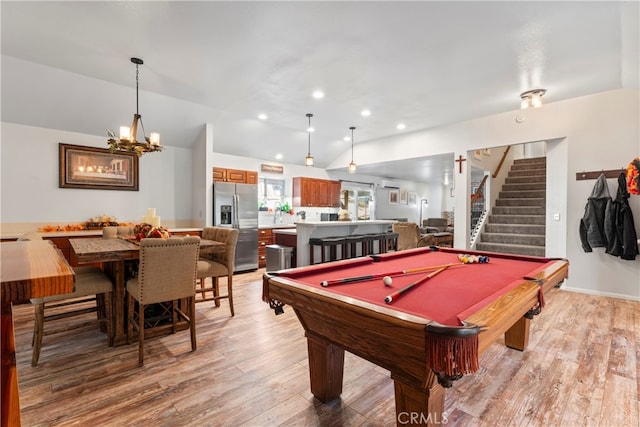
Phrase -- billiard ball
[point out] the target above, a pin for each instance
(387, 280)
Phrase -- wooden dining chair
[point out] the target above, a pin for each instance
(90, 284)
(218, 264)
(167, 274)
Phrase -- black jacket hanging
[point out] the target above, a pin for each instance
(592, 233)
(620, 230)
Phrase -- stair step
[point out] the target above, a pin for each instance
(511, 249)
(525, 179)
(534, 201)
(528, 194)
(518, 210)
(514, 239)
(515, 229)
(525, 186)
(517, 219)
(528, 166)
(542, 160)
(527, 172)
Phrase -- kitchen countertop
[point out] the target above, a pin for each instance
(345, 223)
(274, 226)
(291, 231)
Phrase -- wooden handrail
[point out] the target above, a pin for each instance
(478, 193)
(504, 156)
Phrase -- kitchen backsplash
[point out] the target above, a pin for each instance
(311, 214)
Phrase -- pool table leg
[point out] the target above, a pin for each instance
(518, 335)
(326, 368)
(418, 406)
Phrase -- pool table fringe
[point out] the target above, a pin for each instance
(452, 355)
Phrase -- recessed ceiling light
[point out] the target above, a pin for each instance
(365, 113)
(262, 116)
(318, 94)
(347, 138)
(400, 126)
(311, 129)
(278, 156)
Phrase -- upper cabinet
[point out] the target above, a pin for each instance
(313, 192)
(235, 175)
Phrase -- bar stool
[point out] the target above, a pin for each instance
(327, 242)
(352, 244)
(391, 241)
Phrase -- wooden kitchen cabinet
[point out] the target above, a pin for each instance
(265, 237)
(335, 188)
(314, 192)
(235, 175)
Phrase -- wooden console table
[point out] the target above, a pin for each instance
(32, 269)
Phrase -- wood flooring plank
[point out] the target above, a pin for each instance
(620, 403)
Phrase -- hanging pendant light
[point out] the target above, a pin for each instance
(352, 165)
(127, 140)
(308, 161)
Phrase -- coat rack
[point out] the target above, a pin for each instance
(612, 173)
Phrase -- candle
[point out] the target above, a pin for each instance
(124, 133)
(154, 137)
(151, 212)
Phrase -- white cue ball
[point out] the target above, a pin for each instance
(387, 280)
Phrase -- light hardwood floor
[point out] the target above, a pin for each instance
(581, 368)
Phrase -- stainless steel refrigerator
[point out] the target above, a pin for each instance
(236, 206)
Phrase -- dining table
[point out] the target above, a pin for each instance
(114, 255)
(30, 269)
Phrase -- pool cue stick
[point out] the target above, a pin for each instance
(347, 280)
(389, 298)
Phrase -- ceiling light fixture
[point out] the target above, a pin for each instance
(308, 161)
(400, 126)
(127, 140)
(263, 116)
(352, 165)
(365, 113)
(318, 94)
(532, 98)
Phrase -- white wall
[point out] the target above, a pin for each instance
(31, 197)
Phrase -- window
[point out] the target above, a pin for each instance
(270, 192)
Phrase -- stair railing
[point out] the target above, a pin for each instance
(478, 206)
(504, 156)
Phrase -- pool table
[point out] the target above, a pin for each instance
(428, 336)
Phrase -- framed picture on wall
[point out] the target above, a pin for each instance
(97, 168)
(403, 197)
(393, 197)
(412, 198)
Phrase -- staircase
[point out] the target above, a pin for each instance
(516, 224)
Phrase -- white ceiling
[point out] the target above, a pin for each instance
(421, 63)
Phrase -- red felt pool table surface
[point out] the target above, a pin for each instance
(447, 298)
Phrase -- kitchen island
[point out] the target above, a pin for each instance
(311, 229)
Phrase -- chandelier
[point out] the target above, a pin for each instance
(308, 161)
(352, 165)
(532, 98)
(127, 140)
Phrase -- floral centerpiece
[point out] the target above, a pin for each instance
(142, 231)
